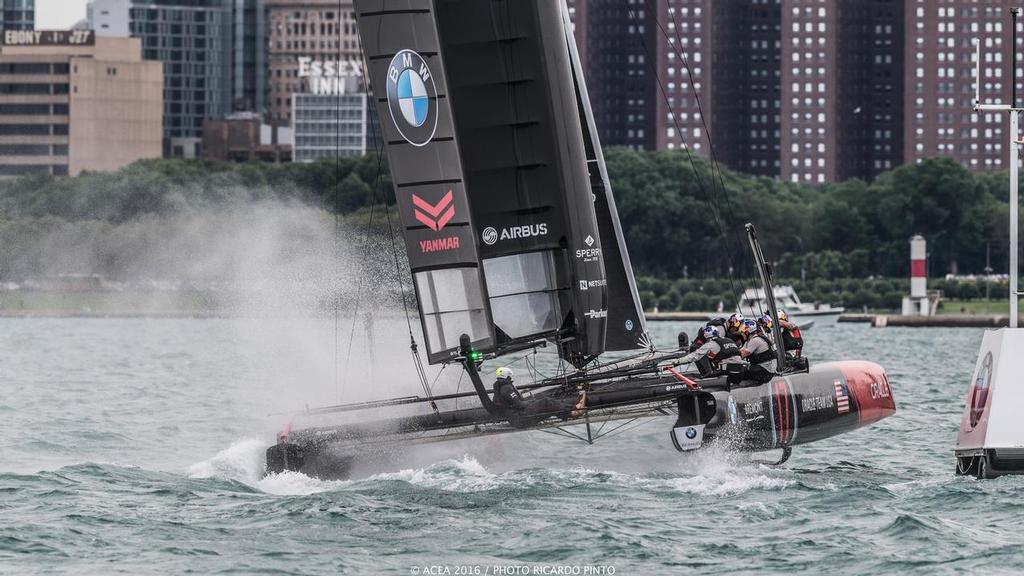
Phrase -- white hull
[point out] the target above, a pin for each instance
(819, 318)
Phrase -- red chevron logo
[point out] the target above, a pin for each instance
(434, 216)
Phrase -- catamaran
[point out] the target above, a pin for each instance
(514, 243)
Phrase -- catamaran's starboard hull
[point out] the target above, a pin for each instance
(827, 400)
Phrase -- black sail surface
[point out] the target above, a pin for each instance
(521, 141)
(627, 325)
(401, 46)
(481, 121)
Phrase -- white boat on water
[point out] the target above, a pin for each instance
(804, 314)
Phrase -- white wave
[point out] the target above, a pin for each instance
(243, 461)
(463, 475)
(297, 484)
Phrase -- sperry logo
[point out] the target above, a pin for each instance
(589, 241)
(434, 216)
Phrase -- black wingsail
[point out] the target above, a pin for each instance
(490, 162)
(402, 50)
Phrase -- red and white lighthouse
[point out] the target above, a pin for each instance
(917, 303)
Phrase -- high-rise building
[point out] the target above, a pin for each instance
(70, 101)
(940, 70)
(213, 54)
(806, 90)
(17, 15)
(310, 43)
(618, 42)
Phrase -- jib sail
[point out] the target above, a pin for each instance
(522, 144)
(485, 138)
(627, 325)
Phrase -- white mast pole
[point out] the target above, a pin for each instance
(1014, 163)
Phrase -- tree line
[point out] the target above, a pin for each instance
(682, 217)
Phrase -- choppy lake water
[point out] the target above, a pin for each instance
(136, 446)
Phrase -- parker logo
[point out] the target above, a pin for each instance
(491, 236)
(596, 314)
(434, 216)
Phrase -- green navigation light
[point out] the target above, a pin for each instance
(475, 355)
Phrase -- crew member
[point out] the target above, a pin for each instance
(716, 352)
(792, 340)
(758, 350)
(732, 328)
(765, 325)
(523, 412)
(699, 340)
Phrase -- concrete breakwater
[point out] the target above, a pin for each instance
(878, 320)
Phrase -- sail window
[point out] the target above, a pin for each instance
(523, 292)
(452, 305)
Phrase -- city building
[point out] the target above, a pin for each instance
(333, 125)
(804, 90)
(17, 15)
(940, 70)
(243, 137)
(213, 54)
(618, 42)
(308, 42)
(71, 101)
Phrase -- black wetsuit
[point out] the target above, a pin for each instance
(522, 413)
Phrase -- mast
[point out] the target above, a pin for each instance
(1014, 148)
(769, 295)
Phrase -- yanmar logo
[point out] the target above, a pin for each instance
(434, 216)
(490, 236)
(439, 245)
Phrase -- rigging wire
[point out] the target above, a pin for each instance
(715, 164)
(689, 155)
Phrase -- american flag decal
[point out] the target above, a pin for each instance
(842, 399)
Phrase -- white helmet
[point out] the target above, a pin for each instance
(504, 372)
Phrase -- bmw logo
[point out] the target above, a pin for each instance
(490, 236)
(629, 325)
(412, 97)
(691, 433)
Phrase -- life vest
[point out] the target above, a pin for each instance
(506, 395)
(727, 349)
(762, 357)
(792, 340)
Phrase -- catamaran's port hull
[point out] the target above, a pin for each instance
(827, 400)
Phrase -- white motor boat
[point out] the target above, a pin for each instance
(804, 314)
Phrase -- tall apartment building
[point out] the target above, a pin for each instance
(17, 15)
(806, 90)
(301, 33)
(940, 80)
(70, 102)
(212, 52)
